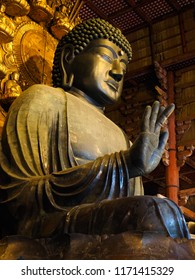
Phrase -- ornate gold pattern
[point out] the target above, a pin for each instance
(10, 88)
(7, 26)
(40, 11)
(3, 70)
(33, 49)
(65, 17)
(28, 32)
(17, 7)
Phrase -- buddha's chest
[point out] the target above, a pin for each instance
(91, 134)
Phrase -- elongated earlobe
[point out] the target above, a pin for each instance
(67, 84)
(67, 56)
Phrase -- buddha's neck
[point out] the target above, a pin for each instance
(80, 94)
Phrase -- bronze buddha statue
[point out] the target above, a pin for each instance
(65, 167)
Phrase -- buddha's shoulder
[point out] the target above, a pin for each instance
(40, 97)
(43, 91)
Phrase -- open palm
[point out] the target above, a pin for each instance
(147, 150)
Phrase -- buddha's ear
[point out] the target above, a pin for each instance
(67, 56)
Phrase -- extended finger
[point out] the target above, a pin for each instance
(162, 141)
(154, 115)
(164, 116)
(146, 119)
(161, 109)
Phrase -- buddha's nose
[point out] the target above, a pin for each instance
(116, 71)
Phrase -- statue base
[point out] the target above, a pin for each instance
(123, 246)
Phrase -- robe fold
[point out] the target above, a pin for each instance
(39, 163)
(51, 183)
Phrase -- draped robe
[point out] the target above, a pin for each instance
(48, 177)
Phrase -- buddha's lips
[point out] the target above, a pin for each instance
(113, 85)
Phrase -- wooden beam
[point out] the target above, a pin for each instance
(190, 162)
(182, 33)
(151, 37)
(132, 6)
(186, 179)
(187, 172)
(120, 13)
(187, 112)
(187, 192)
(182, 58)
(154, 179)
(139, 11)
(167, 64)
(174, 4)
(188, 213)
(98, 12)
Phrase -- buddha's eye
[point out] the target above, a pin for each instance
(106, 57)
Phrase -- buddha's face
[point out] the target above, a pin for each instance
(99, 71)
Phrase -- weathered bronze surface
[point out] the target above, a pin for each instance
(70, 176)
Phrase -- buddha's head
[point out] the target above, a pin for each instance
(93, 58)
